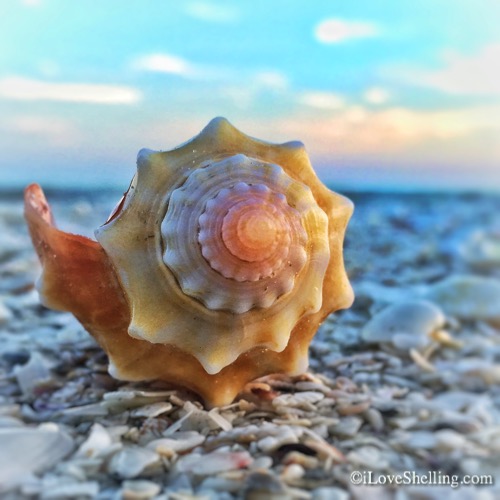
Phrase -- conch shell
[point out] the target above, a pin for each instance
(216, 267)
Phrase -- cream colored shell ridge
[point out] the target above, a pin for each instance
(183, 247)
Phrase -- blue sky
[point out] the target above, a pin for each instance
(383, 93)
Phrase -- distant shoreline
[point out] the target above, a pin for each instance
(11, 193)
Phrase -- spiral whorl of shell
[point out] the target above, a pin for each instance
(219, 248)
(242, 243)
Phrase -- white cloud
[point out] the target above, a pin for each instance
(341, 30)
(25, 89)
(165, 63)
(323, 100)
(376, 96)
(357, 131)
(246, 89)
(235, 82)
(54, 131)
(212, 12)
(477, 74)
(271, 79)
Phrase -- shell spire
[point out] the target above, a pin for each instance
(225, 255)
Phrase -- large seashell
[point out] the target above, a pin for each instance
(216, 267)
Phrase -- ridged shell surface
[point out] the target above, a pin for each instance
(216, 267)
(224, 258)
(241, 244)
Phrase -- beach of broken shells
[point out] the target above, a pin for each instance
(408, 379)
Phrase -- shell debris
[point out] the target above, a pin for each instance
(362, 404)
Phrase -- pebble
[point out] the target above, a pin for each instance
(468, 297)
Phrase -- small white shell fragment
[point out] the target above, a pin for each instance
(298, 400)
(420, 439)
(329, 493)
(179, 442)
(284, 435)
(30, 375)
(292, 472)
(368, 457)
(449, 440)
(385, 295)
(198, 420)
(415, 319)
(420, 361)
(90, 410)
(152, 410)
(8, 421)
(85, 489)
(5, 313)
(482, 249)
(219, 487)
(468, 297)
(139, 489)
(489, 372)
(263, 462)
(123, 399)
(220, 421)
(27, 450)
(98, 442)
(348, 426)
(132, 460)
(213, 463)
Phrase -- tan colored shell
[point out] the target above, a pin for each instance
(219, 264)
